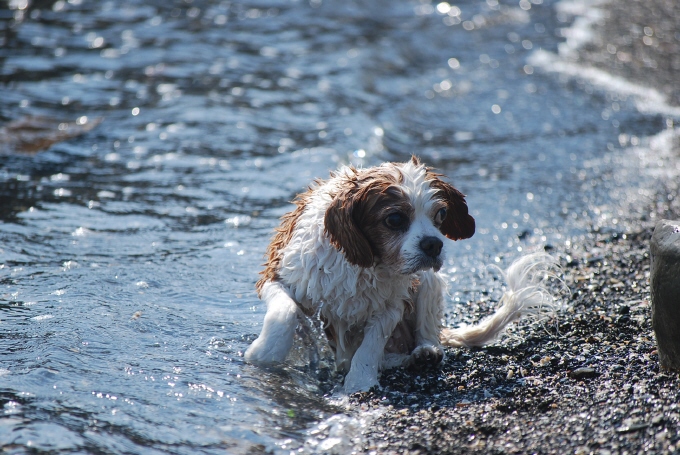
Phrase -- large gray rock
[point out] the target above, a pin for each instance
(665, 286)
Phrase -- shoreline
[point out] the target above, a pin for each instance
(630, 48)
(648, 54)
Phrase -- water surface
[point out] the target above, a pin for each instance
(129, 253)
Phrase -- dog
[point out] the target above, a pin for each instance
(362, 250)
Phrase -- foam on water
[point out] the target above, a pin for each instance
(582, 31)
(647, 99)
(338, 434)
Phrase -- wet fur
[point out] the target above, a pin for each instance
(376, 288)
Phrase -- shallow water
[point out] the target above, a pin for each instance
(129, 254)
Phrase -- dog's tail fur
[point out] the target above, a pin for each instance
(527, 294)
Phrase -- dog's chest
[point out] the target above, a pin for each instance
(317, 273)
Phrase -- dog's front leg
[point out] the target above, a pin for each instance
(363, 372)
(429, 303)
(278, 329)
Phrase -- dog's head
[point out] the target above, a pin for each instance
(397, 214)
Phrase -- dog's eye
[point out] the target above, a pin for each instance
(396, 221)
(440, 215)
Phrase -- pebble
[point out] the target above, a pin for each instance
(583, 373)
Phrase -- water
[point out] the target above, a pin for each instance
(129, 253)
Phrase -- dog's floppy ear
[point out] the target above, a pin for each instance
(458, 224)
(341, 227)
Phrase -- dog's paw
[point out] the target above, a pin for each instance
(354, 385)
(425, 355)
(259, 353)
(359, 382)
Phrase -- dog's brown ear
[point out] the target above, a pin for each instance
(341, 227)
(458, 224)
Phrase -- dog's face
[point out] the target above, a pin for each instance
(397, 215)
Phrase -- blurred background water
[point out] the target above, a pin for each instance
(147, 149)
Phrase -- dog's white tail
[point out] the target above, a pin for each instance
(527, 294)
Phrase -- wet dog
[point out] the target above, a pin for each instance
(362, 250)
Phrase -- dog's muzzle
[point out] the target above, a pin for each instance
(429, 256)
(431, 246)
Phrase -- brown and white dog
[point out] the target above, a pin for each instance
(363, 249)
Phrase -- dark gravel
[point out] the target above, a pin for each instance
(589, 383)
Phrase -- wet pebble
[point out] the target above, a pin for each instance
(583, 373)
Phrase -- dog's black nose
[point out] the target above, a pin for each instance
(432, 246)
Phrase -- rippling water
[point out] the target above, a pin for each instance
(129, 253)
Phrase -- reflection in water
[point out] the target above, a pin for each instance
(130, 250)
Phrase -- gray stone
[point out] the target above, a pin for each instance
(665, 287)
